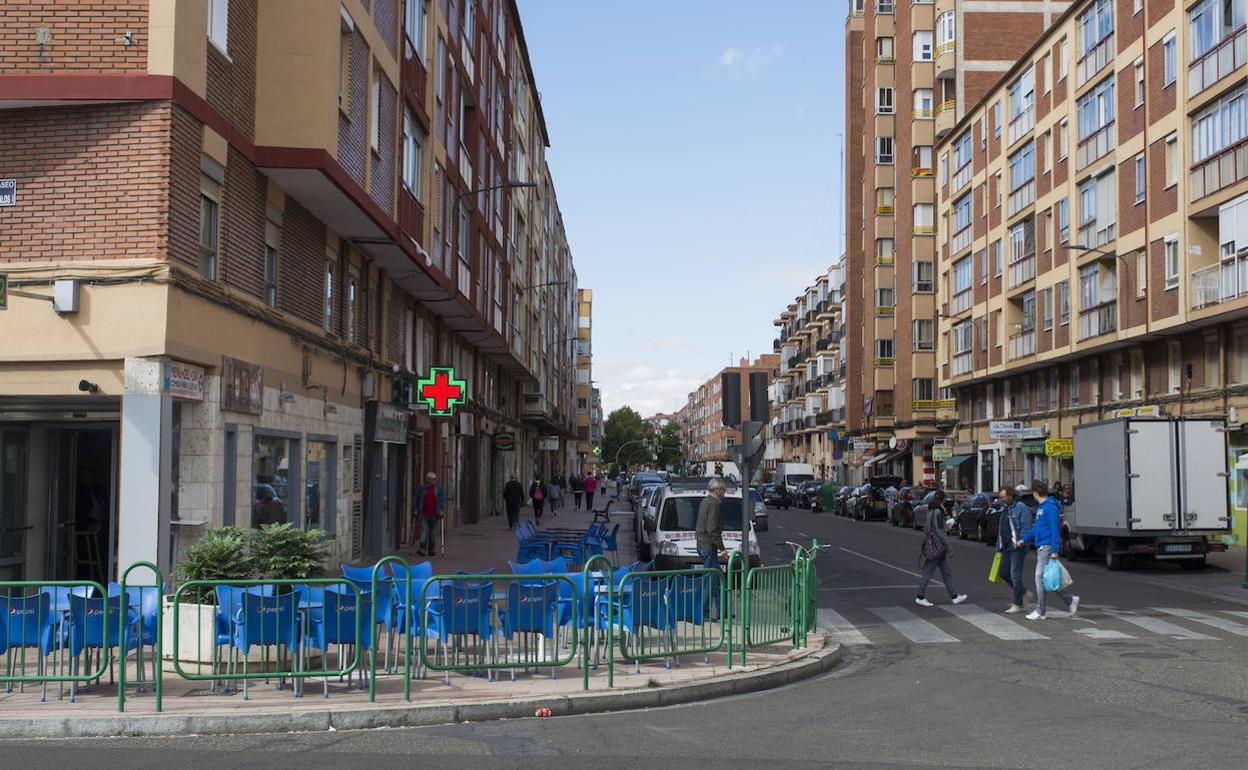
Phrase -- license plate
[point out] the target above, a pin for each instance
(1177, 548)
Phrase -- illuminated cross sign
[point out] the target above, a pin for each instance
(442, 392)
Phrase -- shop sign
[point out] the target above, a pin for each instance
(8, 192)
(390, 424)
(1059, 447)
(184, 380)
(1014, 429)
(467, 424)
(1033, 447)
(504, 442)
(242, 386)
(548, 444)
(1137, 411)
(442, 392)
(942, 452)
(861, 445)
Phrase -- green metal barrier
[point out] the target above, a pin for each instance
(769, 607)
(158, 667)
(668, 613)
(594, 579)
(35, 619)
(294, 627)
(468, 617)
(733, 601)
(402, 597)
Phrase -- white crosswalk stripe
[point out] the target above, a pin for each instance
(1157, 626)
(1237, 613)
(1102, 633)
(1221, 624)
(991, 623)
(912, 627)
(836, 626)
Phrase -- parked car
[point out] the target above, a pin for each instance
(776, 496)
(978, 517)
(901, 507)
(840, 501)
(807, 494)
(872, 502)
(760, 510)
(922, 507)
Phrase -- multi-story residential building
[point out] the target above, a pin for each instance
(911, 69)
(584, 381)
(1104, 264)
(808, 393)
(702, 419)
(597, 424)
(262, 223)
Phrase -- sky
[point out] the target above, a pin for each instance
(696, 153)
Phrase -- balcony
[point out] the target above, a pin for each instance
(1218, 171)
(945, 58)
(1222, 282)
(923, 113)
(946, 117)
(1095, 146)
(1093, 234)
(921, 171)
(961, 240)
(924, 229)
(961, 177)
(1022, 344)
(1021, 197)
(1095, 60)
(1022, 270)
(884, 260)
(962, 363)
(884, 211)
(1020, 124)
(884, 361)
(961, 301)
(1098, 319)
(884, 310)
(1224, 58)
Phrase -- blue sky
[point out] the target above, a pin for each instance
(696, 153)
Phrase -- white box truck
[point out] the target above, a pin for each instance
(1149, 488)
(791, 475)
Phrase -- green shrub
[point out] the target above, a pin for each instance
(284, 552)
(221, 554)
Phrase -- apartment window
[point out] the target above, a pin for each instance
(1063, 140)
(884, 150)
(923, 103)
(345, 30)
(1022, 94)
(1098, 210)
(884, 49)
(1213, 363)
(1169, 59)
(1139, 82)
(1096, 109)
(353, 290)
(884, 350)
(961, 222)
(946, 29)
(327, 309)
(1211, 22)
(1063, 220)
(923, 45)
(415, 27)
(1239, 344)
(923, 388)
(998, 249)
(1139, 178)
(1061, 59)
(1096, 24)
(924, 277)
(412, 155)
(883, 251)
(1172, 160)
(884, 101)
(924, 217)
(219, 24)
(1218, 126)
(1174, 365)
(884, 6)
(997, 118)
(1022, 170)
(209, 227)
(1141, 273)
(983, 132)
(1046, 299)
(1063, 303)
(1029, 312)
(270, 274)
(982, 258)
(884, 299)
(1172, 261)
(924, 160)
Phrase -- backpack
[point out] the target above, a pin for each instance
(933, 546)
(537, 494)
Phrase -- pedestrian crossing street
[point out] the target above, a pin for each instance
(950, 624)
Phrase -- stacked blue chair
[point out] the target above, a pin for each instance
(229, 604)
(643, 603)
(337, 621)
(267, 621)
(463, 609)
(28, 621)
(532, 608)
(87, 620)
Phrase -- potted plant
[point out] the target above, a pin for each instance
(220, 554)
(282, 552)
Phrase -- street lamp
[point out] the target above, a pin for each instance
(1125, 265)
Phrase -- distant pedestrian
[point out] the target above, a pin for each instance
(578, 489)
(513, 498)
(1015, 519)
(537, 493)
(935, 553)
(591, 484)
(1046, 533)
(556, 494)
(428, 505)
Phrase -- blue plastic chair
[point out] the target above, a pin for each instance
(531, 567)
(362, 574)
(397, 620)
(644, 603)
(532, 608)
(611, 543)
(28, 621)
(462, 610)
(266, 621)
(229, 602)
(86, 631)
(337, 621)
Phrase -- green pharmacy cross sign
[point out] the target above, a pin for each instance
(442, 392)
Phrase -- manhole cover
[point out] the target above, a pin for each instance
(1149, 655)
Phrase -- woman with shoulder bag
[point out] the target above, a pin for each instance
(935, 553)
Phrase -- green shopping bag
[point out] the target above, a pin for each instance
(994, 572)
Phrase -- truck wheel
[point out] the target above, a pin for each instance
(1113, 561)
(1192, 564)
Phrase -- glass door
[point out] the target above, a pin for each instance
(14, 459)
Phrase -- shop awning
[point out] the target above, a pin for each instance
(955, 461)
(884, 457)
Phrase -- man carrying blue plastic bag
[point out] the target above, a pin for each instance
(1046, 533)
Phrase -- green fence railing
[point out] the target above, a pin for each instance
(149, 597)
(769, 606)
(669, 613)
(37, 618)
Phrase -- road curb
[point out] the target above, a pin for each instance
(425, 715)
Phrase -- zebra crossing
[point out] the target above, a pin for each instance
(967, 622)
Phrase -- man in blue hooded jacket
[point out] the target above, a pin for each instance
(1014, 521)
(1046, 533)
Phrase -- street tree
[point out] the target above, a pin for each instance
(669, 445)
(626, 430)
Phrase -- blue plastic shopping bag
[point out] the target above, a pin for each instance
(1052, 575)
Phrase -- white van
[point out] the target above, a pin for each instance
(668, 533)
(790, 475)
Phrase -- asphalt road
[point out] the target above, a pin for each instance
(1152, 674)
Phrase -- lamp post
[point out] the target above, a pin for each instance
(1125, 265)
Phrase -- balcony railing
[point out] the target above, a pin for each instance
(962, 363)
(1098, 319)
(925, 229)
(1021, 197)
(1022, 270)
(961, 301)
(1021, 124)
(1095, 60)
(960, 177)
(945, 48)
(1093, 234)
(884, 360)
(884, 260)
(884, 310)
(924, 114)
(1224, 58)
(946, 105)
(1222, 170)
(884, 210)
(1222, 282)
(919, 171)
(1095, 146)
(961, 239)
(1022, 344)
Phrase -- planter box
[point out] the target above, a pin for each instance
(196, 637)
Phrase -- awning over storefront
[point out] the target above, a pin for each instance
(955, 461)
(884, 457)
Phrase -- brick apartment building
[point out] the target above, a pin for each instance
(1104, 180)
(808, 394)
(262, 222)
(585, 434)
(704, 435)
(912, 68)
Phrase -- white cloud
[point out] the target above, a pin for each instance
(752, 62)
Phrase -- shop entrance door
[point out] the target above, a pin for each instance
(83, 503)
(14, 457)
